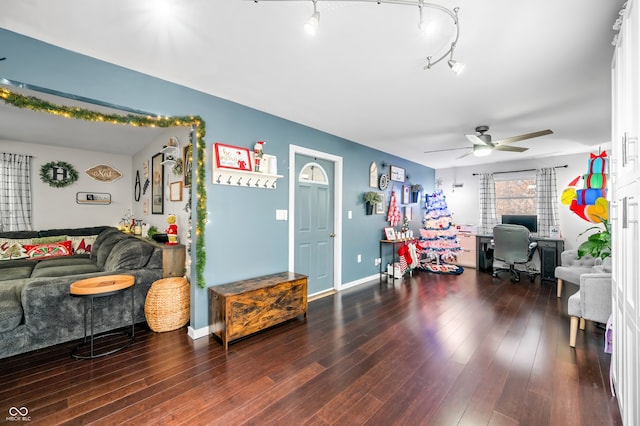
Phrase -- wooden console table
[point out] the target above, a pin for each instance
(245, 307)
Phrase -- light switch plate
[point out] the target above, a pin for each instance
(281, 214)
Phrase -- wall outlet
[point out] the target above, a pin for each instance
(378, 261)
(359, 258)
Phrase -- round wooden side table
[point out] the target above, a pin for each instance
(90, 288)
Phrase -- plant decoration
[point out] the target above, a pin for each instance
(49, 171)
(36, 104)
(598, 244)
(177, 167)
(372, 197)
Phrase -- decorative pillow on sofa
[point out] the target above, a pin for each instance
(37, 251)
(82, 244)
(13, 249)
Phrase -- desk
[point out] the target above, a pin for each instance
(393, 254)
(548, 248)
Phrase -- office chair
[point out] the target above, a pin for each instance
(512, 246)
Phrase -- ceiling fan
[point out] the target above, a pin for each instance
(483, 144)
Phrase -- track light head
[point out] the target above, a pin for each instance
(311, 26)
(456, 67)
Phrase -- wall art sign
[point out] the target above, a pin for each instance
(104, 173)
(232, 157)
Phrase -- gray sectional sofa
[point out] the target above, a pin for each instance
(36, 309)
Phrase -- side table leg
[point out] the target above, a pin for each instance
(133, 317)
(91, 327)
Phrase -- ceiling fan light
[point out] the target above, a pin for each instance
(481, 151)
(456, 67)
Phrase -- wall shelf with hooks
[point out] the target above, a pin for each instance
(244, 178)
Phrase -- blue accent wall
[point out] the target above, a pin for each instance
(243, 239)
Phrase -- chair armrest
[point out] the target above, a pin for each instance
(595, 296)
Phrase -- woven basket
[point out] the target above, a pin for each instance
(167, 304)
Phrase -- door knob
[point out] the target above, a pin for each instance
(332, 235)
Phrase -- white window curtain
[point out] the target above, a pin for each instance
(488, 217)
(546, 201)
(15, 192)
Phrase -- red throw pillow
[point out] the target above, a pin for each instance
(62, 248)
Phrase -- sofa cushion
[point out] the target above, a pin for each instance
(92, 230)
(11, 312)
(65, 270)
(61, 266)
(571, 273)
(11, 249)
(62, 248)
(130, 253)
(16, 272)
(103, 245)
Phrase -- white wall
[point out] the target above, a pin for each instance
(170, 207)
(57, 207)
(464, 202)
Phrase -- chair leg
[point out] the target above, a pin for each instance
(582, 323)
(573, 331)
(559, 287)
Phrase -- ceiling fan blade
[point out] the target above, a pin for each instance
(474, 139)
(509, 148)
(448, 149)
(525, 136)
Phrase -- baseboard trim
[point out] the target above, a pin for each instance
(359, 282)
(197, 333)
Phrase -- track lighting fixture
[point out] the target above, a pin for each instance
(311, 26)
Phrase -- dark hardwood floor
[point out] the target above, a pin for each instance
(431, 349)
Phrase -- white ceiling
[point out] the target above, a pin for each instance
(530, 65)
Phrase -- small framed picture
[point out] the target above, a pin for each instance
(175, 191)
(380, 207)
(232, 157)
(390, 233)
(397, 173)
(406, 194)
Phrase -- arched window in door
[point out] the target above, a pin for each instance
(313, 173)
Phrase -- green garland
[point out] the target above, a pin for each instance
(36, 104)
(46, 177)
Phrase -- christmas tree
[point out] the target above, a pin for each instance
(438, 238)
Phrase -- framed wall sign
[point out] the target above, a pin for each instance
(397, 173)
(390, 233)
(157, 184)
(232, 157)
(406, 194)
(175, 191)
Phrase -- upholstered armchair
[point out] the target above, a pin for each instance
(592, 302)
(571, 268)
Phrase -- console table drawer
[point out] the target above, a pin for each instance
(245, 307)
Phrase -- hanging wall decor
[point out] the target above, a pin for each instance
(58, 174)
(104, 173)
(157, 185)
(137, 188)
(590, 202)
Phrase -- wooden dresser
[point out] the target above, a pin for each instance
(245, 307)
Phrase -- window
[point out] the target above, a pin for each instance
(313, 172)
(516, 195)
